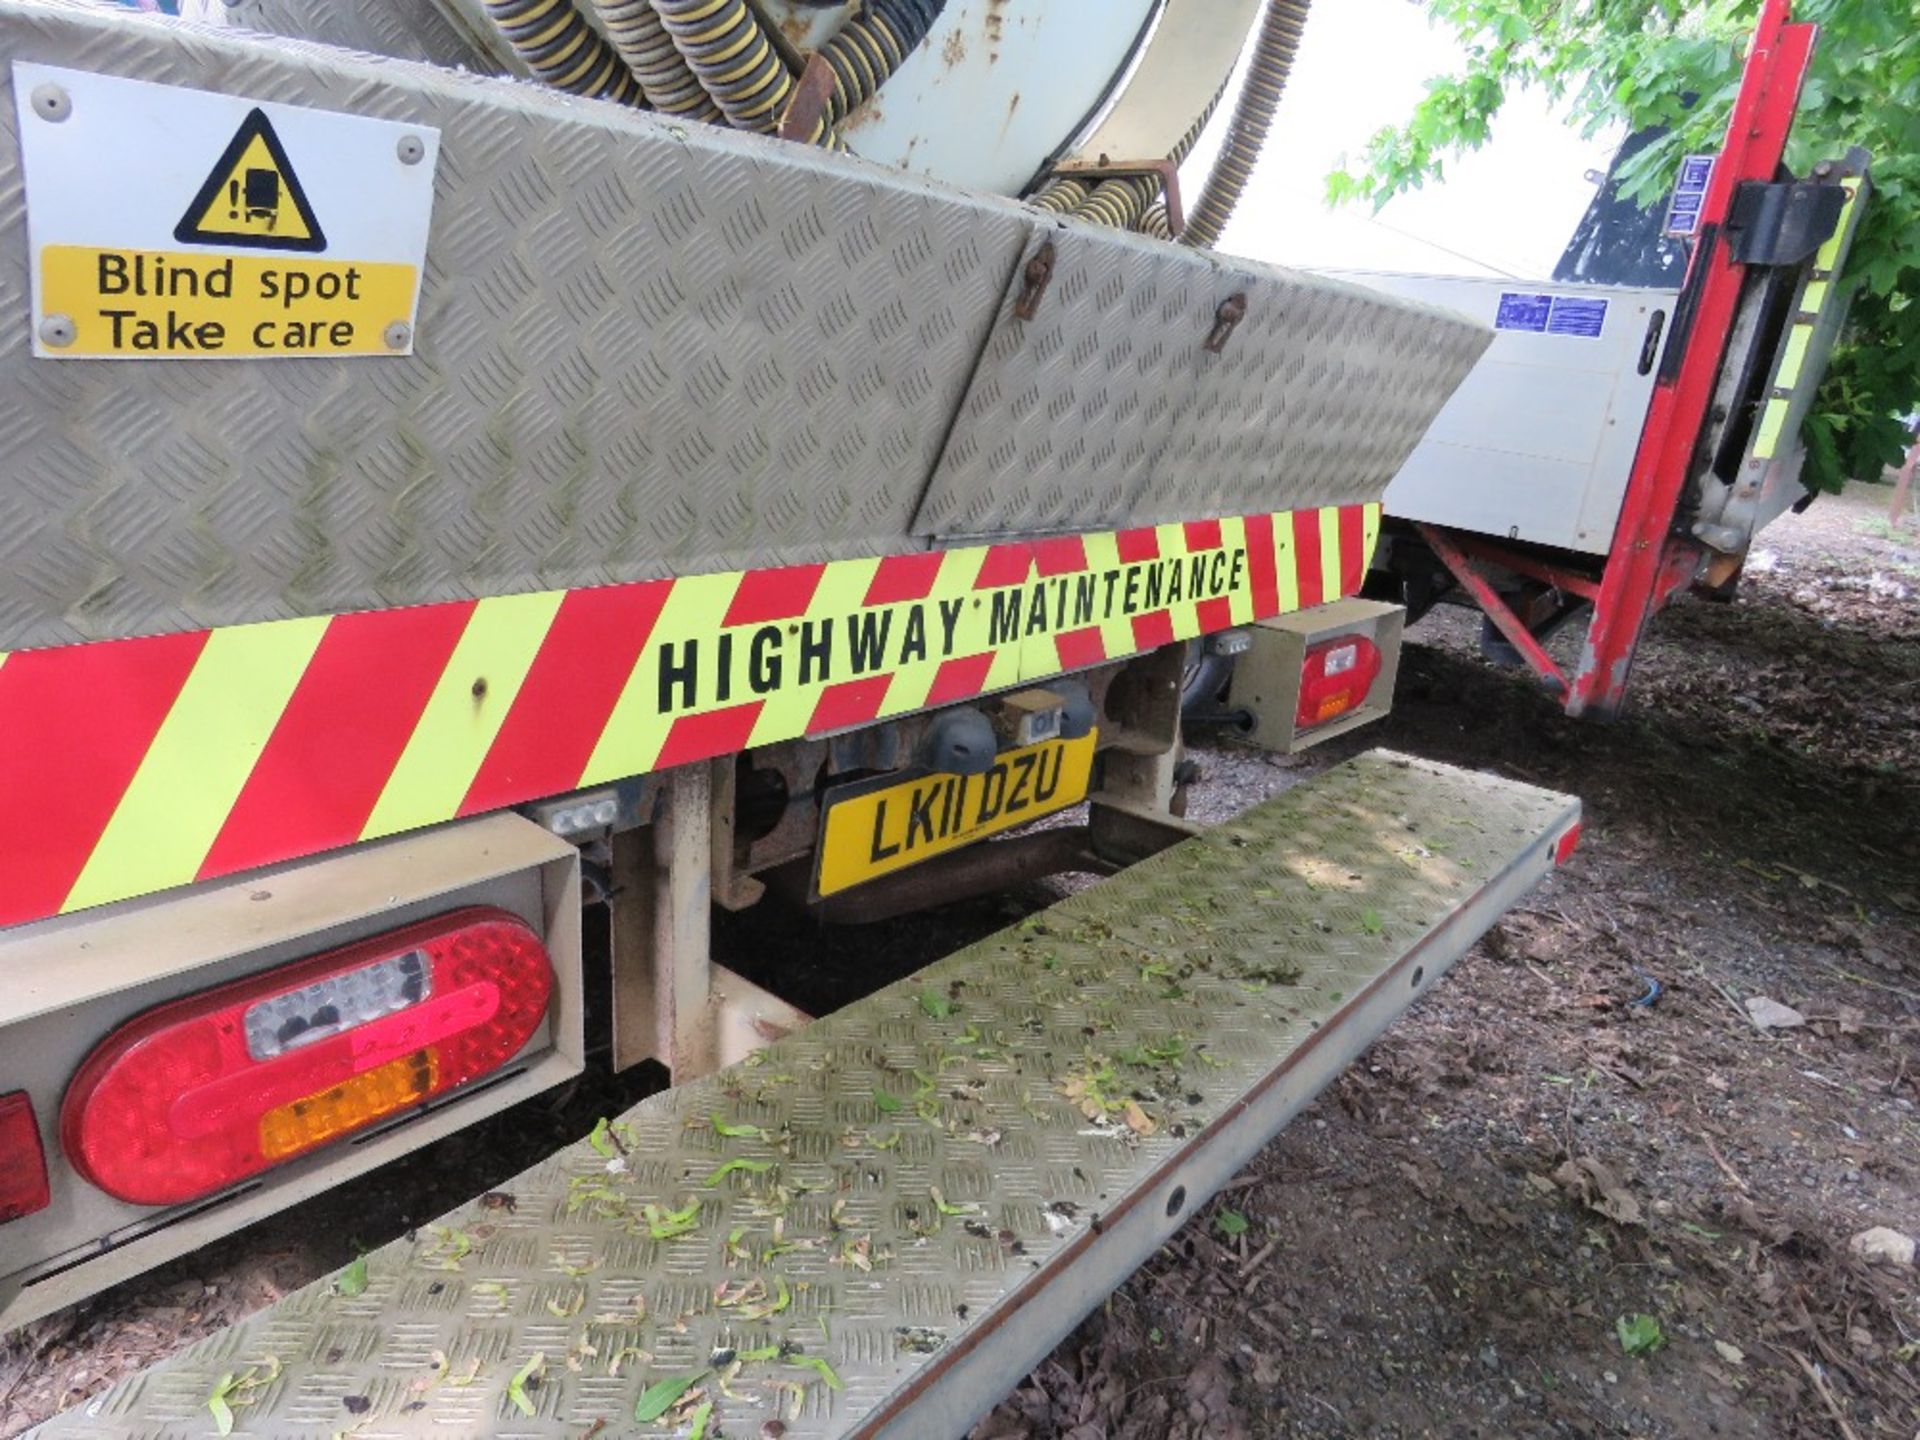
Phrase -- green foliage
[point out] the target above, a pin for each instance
(1638, 61)
(1639, 1334)
(1230, 1223)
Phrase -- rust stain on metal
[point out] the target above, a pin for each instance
(954, 50)
(809, 100)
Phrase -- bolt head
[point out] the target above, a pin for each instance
(51, 102)
(411, 149)
(398, 335)
(58, 331)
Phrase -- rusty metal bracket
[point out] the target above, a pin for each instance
(808, 101)
(1034, 282)
(1232, 311)
(1165, 171)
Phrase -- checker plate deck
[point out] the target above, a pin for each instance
(938, 1181)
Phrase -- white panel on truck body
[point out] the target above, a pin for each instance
(1538, 443)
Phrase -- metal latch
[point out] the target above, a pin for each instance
(1033, 285)
(1232, 311)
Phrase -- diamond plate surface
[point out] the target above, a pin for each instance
(402, 29)
(647, 350)
(1106, 410)
(644, 350)
(881, 1182)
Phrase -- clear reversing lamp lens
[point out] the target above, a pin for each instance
(1342, 660)
(338, 1003)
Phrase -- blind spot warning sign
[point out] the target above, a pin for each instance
(252, 197)
(167, 223)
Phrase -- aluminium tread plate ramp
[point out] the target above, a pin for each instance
(906, 1205)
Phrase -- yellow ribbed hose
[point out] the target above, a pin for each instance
(1059, 194)
(665, 79)
(1129, 201)
(1279, 41)
(864, 52)
(563, 50)
(1120, 202)
(723, 43)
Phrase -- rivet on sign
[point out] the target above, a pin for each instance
(58, 331)
(51, 102)
(399, 335)
(411, 150)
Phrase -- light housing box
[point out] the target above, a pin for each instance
(1268, 680)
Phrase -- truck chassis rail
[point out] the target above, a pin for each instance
(895, 1212)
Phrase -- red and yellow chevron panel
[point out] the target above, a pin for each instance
(131, 766)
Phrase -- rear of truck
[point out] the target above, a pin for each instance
(437, 501)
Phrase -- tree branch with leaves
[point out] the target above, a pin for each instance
(1678, 66)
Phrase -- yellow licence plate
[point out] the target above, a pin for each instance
(874, 832)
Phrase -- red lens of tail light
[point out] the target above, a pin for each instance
(1568, 842)
(1335, 678)
(202, 1092)
(23, 1163)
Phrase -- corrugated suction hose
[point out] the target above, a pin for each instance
(724, 44)
(865, 51)
(1279, 41)
(665, 78)
(563, 50)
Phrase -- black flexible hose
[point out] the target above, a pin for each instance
(724, 44)
(664, 76)
(868, 49)
(559, 46)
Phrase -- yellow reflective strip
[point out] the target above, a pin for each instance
(1103, 558)
(1773, 424)
(1330, 552)
(1814, 299)
(1793, 359)
(1005, 669)
(1233, 531)
(463, 715)
(199, 760)
(1829, 255)
(636, 729)
(1371, 540)
(843, 585)
(1286, 565)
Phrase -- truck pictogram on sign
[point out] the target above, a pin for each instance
(251, 197)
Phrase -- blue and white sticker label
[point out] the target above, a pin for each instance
(1524, 312)
(1573, 315)
(1581, 318)
(1689, 197)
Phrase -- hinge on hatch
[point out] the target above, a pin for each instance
(1783, 224)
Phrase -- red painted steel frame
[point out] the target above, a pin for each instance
(1446, 545)
(1648, 563)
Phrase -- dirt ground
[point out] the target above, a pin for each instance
(1579, 1140)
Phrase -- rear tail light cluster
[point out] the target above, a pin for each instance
(1335, 679)
(23, 1163)
(203, 1092)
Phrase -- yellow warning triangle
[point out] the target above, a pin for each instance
(252, 197)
